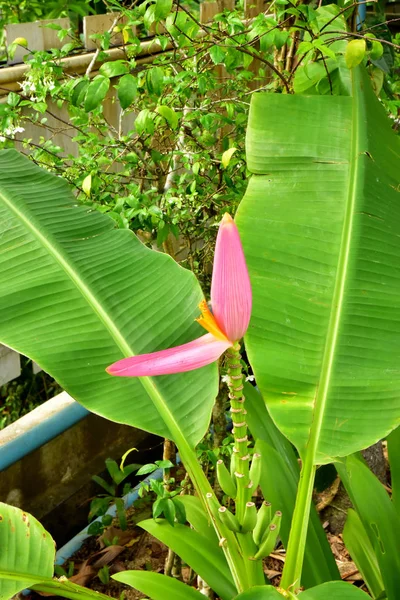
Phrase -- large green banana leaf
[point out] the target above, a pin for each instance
(27, 551)
(320, 223)
(76, 294)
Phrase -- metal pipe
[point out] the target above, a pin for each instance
(78, 64)
(38, 427)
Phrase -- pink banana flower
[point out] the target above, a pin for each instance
(231, 309)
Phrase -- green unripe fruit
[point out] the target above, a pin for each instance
(225, 480)
(228, 519)
(249, 517)
(263, 522)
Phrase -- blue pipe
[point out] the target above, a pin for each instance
(361, 15)
(30, 440)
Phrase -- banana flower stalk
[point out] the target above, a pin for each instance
(227, 323)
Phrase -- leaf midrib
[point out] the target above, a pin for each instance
(147, 382)
(322, 391)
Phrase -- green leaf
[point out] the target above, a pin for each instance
(94, 295)
(378, 516)
(313, 78)
(157, 586)
(335, 590)
(96, 92)
(260, 592)
(146, 469)
(226, 157)
(144, 122)
(169, 115)
(279, 487)
(362, 552)
(377, 79)
(127, 90)
(279, 481)
(198, 518)
(114, 68)
(355, 53)
(194, 549)
(87, 184)
(26, 550)
(162, 9)
(79, 92)
(376, 51)
(320, 226)
(217, 54)
(155, 80)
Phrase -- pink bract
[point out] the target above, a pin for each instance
(187, 357)
(231, 296)
(231, 308)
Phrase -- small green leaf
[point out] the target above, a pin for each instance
(180, 511)
(355, 52)
(267, 41)
(127, 90)
(169, 115)
(20, 41)
(149, 16)
(155, 80)
(377, 78)
(147, 469)
(169, 511)
(376, 51)
(79, 92)
(114, 68)
(226, 157)
(162, 9)
(144, 122)
(87, 184)
(96, 92)
(13, 99)
(217, 54)
(164, 464)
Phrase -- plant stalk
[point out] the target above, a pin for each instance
(241, 455)
(298, 533)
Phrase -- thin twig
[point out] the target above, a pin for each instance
(359, 35)
(98, 50)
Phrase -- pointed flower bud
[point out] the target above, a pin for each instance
(231, 297)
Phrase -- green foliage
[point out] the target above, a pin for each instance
(156, 586)
(205, 558)
(26, 550)
(23, 394)
(124, 280)
(319, 384)
(380, 523)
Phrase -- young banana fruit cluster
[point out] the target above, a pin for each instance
(263, 525)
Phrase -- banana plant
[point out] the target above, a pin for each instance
(320, 224)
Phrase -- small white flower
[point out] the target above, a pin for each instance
(2, 138)
(19, 130)
(250, 378)
(225, 378)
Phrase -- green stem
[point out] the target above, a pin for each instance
(227, 538)
(188, 456)
(241, 460)
(298, 534)
(241, 455)
(254, 567)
